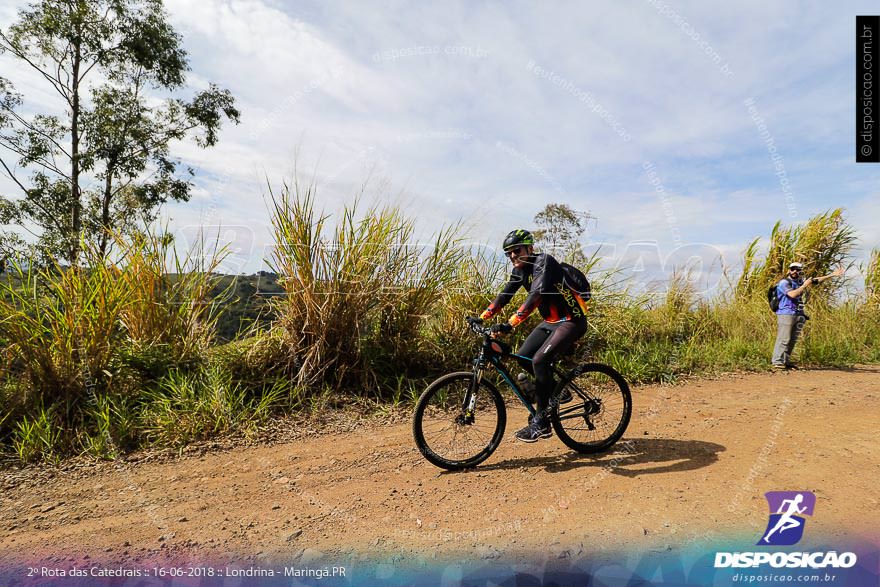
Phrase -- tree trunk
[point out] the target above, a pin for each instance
(76, 220)
(105, 211)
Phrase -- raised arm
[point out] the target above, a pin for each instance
(836, 273)
(808, 283)
(794, 292)
(514, 282)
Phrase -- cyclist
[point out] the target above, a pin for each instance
(564, 314)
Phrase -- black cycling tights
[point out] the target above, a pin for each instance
(544, 345)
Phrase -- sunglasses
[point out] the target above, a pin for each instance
(514, 251)
(794, 268)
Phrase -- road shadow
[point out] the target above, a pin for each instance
(630, 457)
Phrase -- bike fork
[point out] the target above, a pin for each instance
(470, 401)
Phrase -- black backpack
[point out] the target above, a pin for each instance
(773, 296)
(576, 281)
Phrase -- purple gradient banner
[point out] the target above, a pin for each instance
(719, 564)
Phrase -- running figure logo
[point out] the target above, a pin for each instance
(786, 524)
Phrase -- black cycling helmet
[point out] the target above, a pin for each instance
(516, 238)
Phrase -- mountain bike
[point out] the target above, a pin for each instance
(460, 418)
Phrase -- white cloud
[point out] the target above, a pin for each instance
(864, 214)
(423, 93)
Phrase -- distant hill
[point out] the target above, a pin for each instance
(242, 305)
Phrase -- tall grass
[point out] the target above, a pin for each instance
(872, 278)
(169, 320)
(62, 325)
(646, 338)
(821, 244)
(357, 294)
(82, 343)
(470, 288)
(122, 353)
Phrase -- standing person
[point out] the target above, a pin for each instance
(790, 317)
(564, 313)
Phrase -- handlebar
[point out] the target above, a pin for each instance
(476, 325)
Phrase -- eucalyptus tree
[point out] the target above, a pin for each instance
(99, 161)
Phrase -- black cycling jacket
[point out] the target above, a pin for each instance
(544, 279)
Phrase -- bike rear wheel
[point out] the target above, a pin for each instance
(447, 433)
(599, 412)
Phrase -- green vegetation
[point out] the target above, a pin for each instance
(872, 278)
(125, 353)
(358, 298)
(90, 356)
(821, 244)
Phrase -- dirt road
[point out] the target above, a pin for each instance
(694, 463)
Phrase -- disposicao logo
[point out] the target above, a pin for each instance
(785, 528)
(787, 511)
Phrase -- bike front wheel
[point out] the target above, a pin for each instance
(452, 431)
(599, 412)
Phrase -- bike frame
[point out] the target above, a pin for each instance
(480, 364)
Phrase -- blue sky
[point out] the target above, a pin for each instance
(487, 111)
